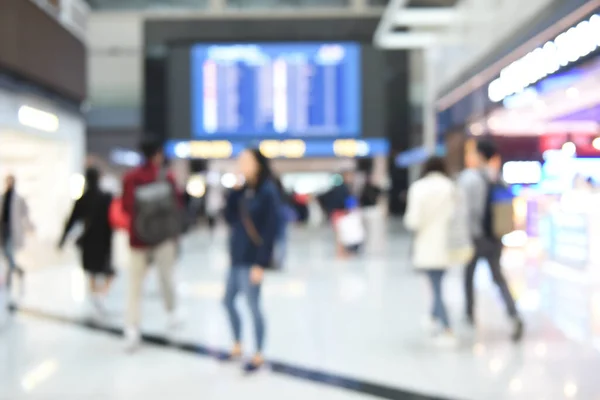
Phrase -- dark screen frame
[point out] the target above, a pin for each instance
(390, 111)
(179, 106)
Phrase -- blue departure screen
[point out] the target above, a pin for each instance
(276, 89)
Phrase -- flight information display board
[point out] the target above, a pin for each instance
(276, 89)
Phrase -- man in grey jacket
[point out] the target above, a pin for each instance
(475, 182)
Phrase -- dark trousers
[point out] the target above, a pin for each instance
(438, 312)
(491, 250)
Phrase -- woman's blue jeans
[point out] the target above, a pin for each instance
(239, 281)
(439, 313)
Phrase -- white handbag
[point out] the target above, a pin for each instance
(350, 229)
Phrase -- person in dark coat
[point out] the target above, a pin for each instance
(253, 212)
(95, 243)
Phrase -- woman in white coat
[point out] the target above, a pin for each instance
(428, 215)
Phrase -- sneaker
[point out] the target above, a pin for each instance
(132, 340)
(446, 340)
(253, 366)
(518, 330)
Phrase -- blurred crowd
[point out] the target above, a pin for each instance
(453, 220)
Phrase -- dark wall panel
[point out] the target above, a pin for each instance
(35, 47)
(386, 113)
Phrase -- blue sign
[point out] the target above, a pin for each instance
(276, 90)
(288, 148)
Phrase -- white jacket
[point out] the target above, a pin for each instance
(430, 208)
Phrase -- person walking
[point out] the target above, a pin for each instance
(430, 208)
(95, 243)
(153, 205)
(483, 172)
(252, 212)
(14, 221)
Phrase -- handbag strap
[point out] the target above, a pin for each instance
(248, 224)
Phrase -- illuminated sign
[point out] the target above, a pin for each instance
(568, 47)
(204, 149)
(272, 148)
(350, 148)
(284, 149)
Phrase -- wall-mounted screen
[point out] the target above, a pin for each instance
(276, 89)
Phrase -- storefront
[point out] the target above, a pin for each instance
(542, 108)
(43, 146)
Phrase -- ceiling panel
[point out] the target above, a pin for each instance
(418, 3)
(144, 4)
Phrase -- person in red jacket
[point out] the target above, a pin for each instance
(163, 254)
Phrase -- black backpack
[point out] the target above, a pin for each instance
(157, 217)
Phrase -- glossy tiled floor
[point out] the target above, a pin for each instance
(359, 319)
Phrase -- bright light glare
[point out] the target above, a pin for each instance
(76, 186)
(541, 350)
(516, 385)
(569, 149)
(572, 93)
(515, 239)
(568, 47)
(182, 150)
(228, 180)
(522, 172)
(38, 375)
(570, 389)
(496, 365)
(196, 186)
(596, 143)
(38, 119)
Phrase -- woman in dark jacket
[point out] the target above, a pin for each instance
(92, 209)
(252, 211)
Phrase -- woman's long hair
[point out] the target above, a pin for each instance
(264, 167)
(92, 179)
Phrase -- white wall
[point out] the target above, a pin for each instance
(43, 162)
(115, 59)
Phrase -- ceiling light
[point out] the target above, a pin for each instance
(596, 143)
(38, 119)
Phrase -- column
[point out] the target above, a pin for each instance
(429, 98)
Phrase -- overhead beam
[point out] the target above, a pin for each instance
(386, 23)
(427, 17)
(407, 40)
